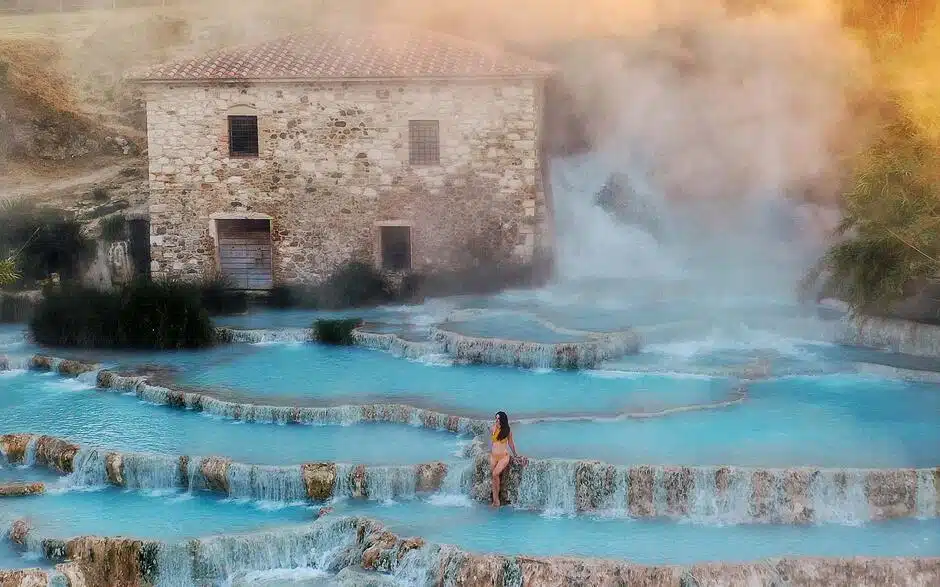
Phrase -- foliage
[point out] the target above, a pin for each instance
(8, 271)
(484, 278)
(45, 240)
(141, 315)
(288, 296)
(890, 232)
(219, 297)
(15, 308)
(335, 332)
(355, 285)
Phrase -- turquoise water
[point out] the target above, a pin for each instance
(831, 421)
(507, 531)
(309, 373)
(48, 404)
(115, 512)
(11, 558)
(10, 473)
(477, 529)
(510, 327)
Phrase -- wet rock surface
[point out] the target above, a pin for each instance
(215, 472)
(430, 476)
(114, 468)
(107, 561)
(55, 453)
(19, 530)
(13, 446)
(319, 480)
(24, 578)
(891, 493)
(21, 489)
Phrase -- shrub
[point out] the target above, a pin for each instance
(113, 228)
(286, 296)
(355, 285)
(141, 315)
(219, 297)
(45, 240)
(478, 280)
(15, 308)
(336, 332)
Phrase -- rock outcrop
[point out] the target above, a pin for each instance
(21, 489)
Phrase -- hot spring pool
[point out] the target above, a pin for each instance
(68, 408)
(507, 531)
(157, 515)
(477, 529)
(828, 421)
(315, 374)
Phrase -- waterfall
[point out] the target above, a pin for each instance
(839, 497)
(716, 495)
(88, 469)
(729, 504)
(266, 483)
(420, 567)
(548, 486)
(325, 544)
(175, 564)
(928, 487)
(265, 336)
(390, 483)
(150, 471)
(29, 456)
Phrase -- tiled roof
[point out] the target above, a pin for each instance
(364, 53)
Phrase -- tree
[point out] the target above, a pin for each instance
(890, 232)
(8, 272)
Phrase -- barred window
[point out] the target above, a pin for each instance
(424, 142)
(243, 136)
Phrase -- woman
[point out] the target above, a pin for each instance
(501, 436)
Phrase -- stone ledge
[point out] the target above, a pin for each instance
(587, 354)
(21, 489)
(370, 546)
(899, 336)
(797, 495)
(316, 481)
(531, 355)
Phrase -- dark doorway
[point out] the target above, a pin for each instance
(396, 248)
(138, 233)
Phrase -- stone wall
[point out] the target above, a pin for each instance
(334, 162)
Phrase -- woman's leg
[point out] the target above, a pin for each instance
(497, 471)
(494, 480)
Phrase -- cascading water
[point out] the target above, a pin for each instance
(266, 483)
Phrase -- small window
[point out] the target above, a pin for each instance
(243, 136)
(396, 248)
(424, 142)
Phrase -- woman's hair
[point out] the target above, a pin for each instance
(503, 426)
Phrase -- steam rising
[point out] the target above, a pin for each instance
(724, 118)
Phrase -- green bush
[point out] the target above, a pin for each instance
(355, 285)
(141, 315)
(47, 241)
(287, 296)
(476, 280)
(220, 298)
(336, 332)
(15, 309)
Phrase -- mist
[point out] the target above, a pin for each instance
(727, 126)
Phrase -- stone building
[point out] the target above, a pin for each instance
(279, 162)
